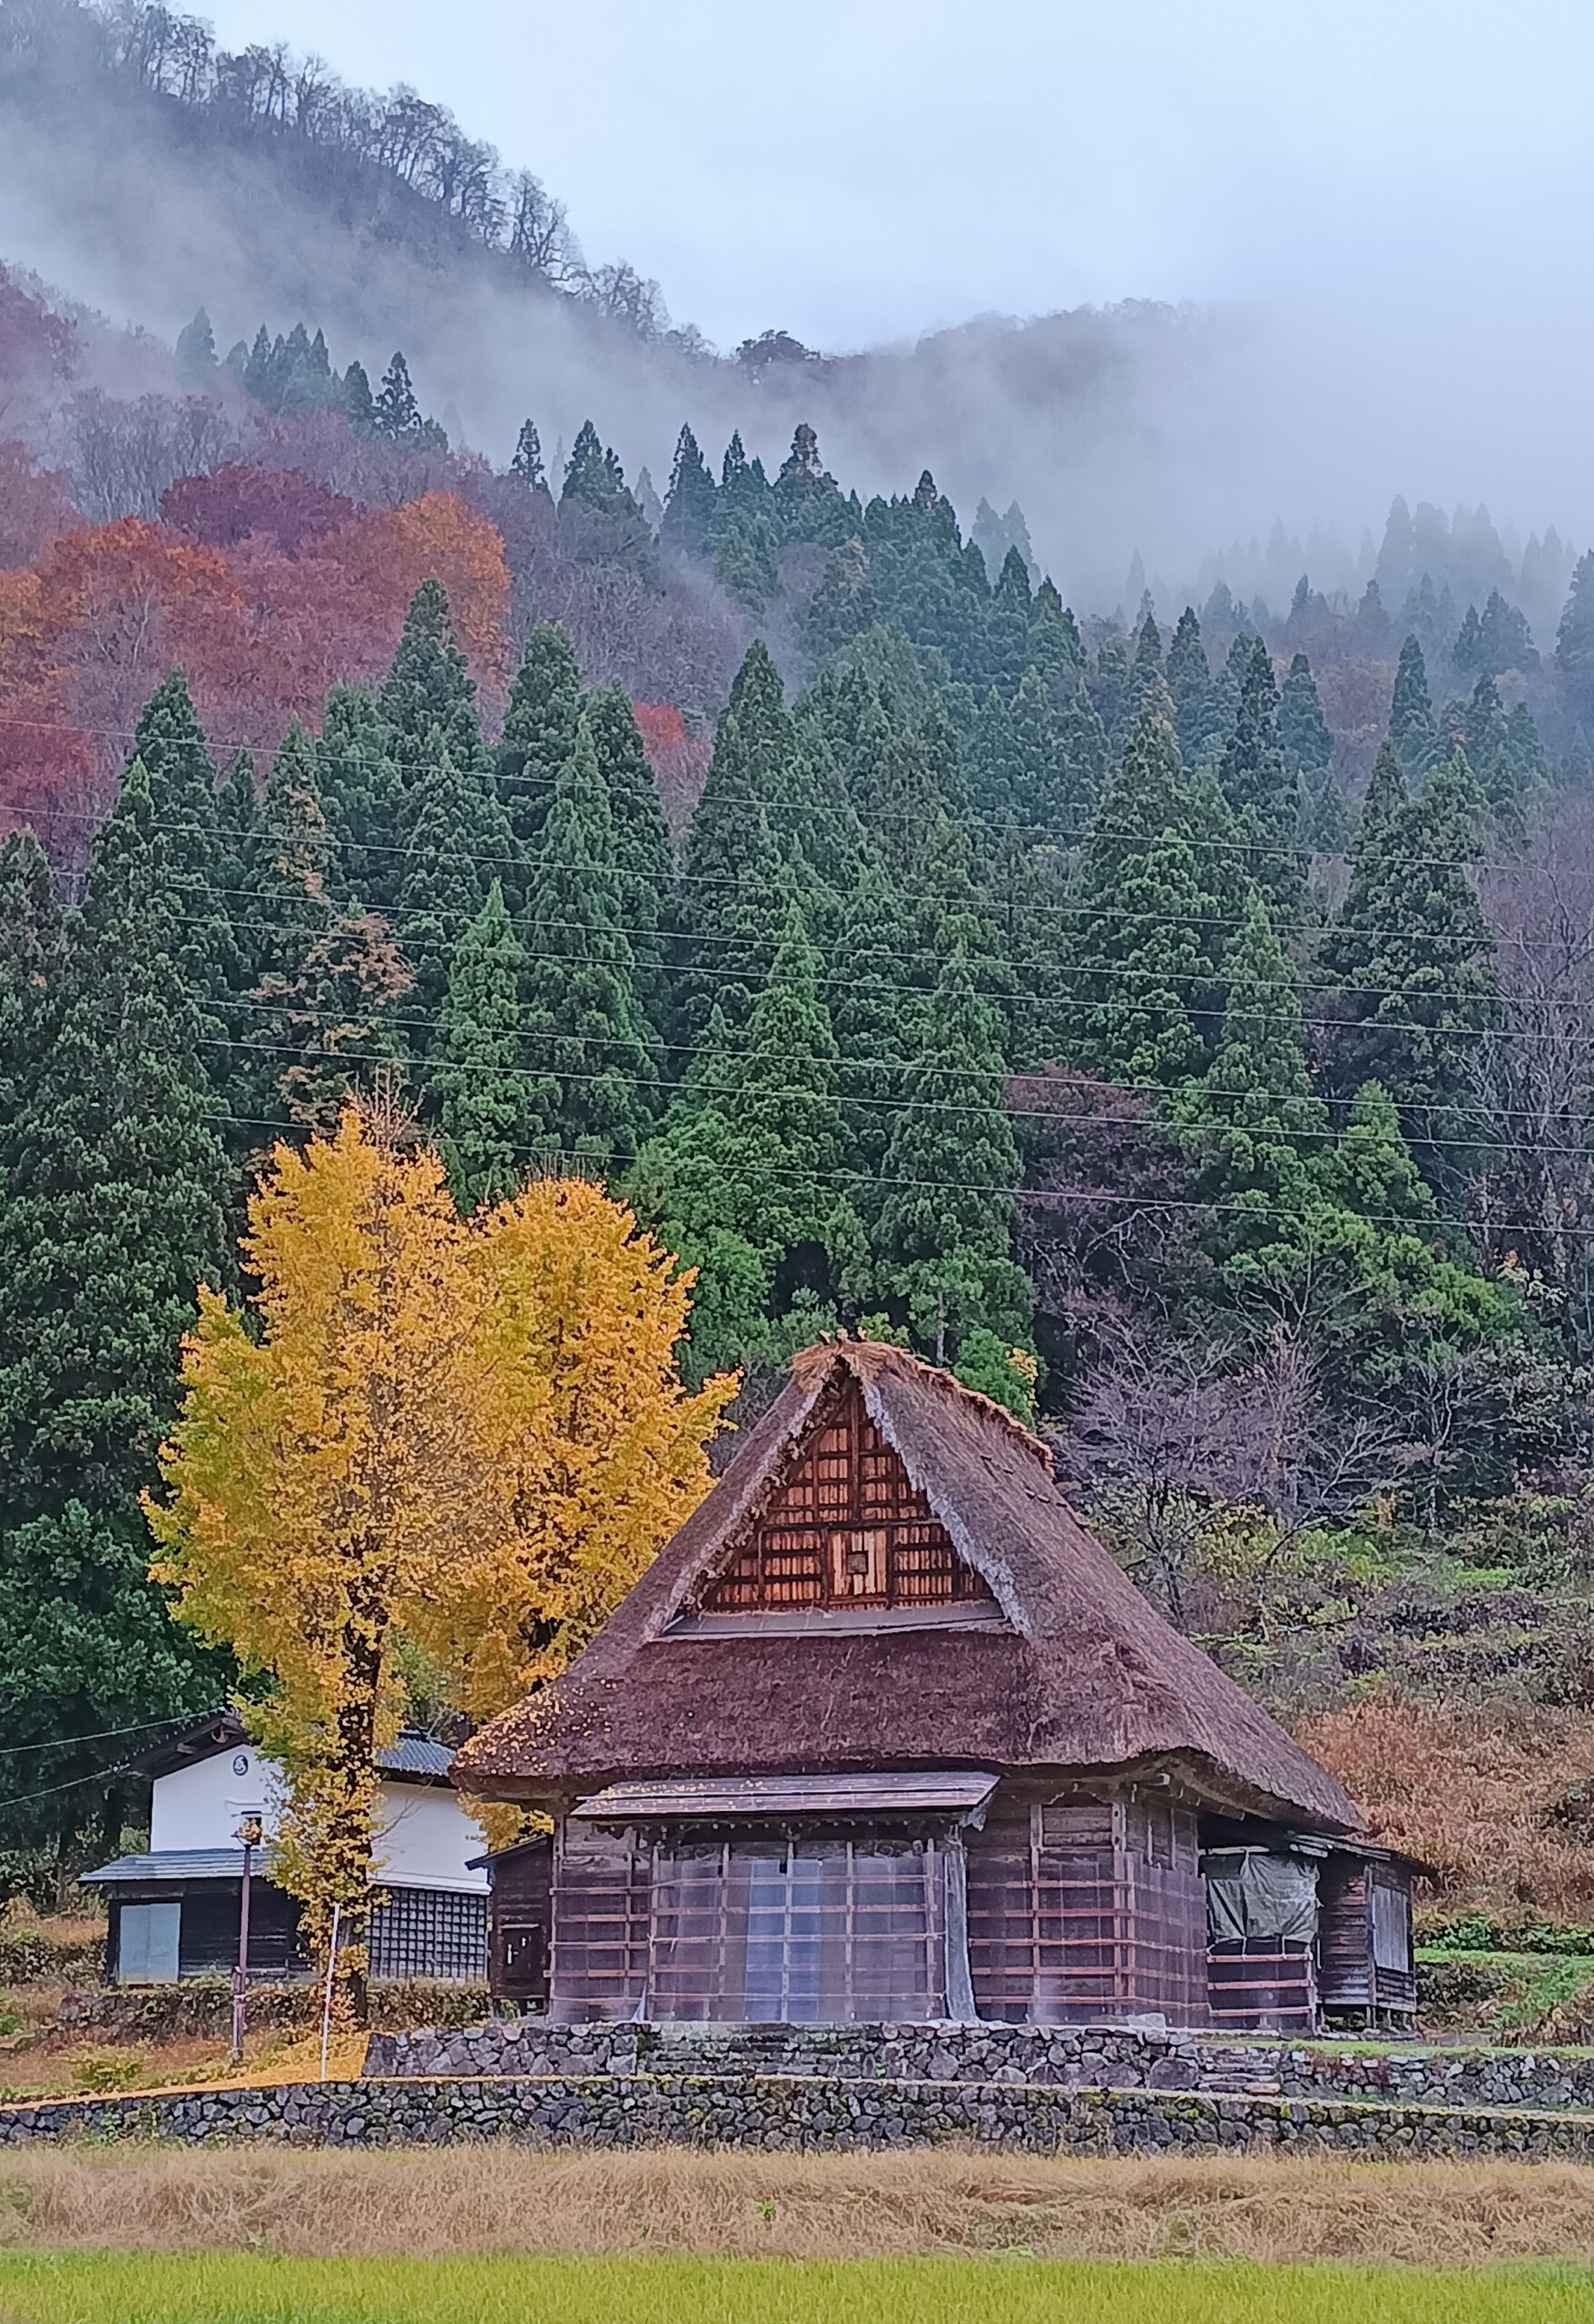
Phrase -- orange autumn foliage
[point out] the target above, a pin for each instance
(389, 552)
(1486, 1793)
(46, 764)
(89, 631)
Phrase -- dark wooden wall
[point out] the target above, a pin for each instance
(1364, 1938)
(520, 1924)
(1081, 1910)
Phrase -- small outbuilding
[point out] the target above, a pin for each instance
(885, 1734)
(174, 1910)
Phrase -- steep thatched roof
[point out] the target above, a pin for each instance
(1079, 1672)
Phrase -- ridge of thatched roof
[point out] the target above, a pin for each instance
(1083, 1673)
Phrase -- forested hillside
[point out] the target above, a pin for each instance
(150, 171)
(1179, 1022)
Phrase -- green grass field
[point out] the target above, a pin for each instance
(112, 2289)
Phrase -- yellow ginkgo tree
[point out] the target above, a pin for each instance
(468, 1438)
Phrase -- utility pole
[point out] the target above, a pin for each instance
(249, 1833)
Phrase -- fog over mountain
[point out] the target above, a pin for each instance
(146, 171)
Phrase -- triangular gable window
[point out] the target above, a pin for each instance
(847, 1527)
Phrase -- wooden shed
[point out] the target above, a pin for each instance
(885, 1734)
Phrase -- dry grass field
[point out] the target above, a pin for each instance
(486, 2200)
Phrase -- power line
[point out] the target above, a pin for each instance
(1003, 1076)
(1427, 1230)
(397, 916)
(1247, 850)
(103, 1735)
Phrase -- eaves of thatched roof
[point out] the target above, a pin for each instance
(1075, 1672)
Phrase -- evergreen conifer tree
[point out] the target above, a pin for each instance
(787, 1136)
(743, 855)
(1258, 1135)
(360, 406)
(594, 479)
(487, 1106)
(1056, 650)
(586, 1036)
(1574, 648)
(170, 745)
(1148, 686)
(236, 802)
(1262, 794)
(539, 730)
(744, 1178)
(527, 462)
(1413, 727)
(643, 854)
(1324, 823)
(111, 1213)
(1303, 730)
(362, 792)
(1189, 680)
(458, 841)
(942, 1248)
(1086, 755)
(31, 962)
(1413, 957)
(396, 412)
(285, 911)
(428, 691)
(1144, 956)
(196, 352)
(875, 1009)
(687, 531)
(1007, 626)
(1224, 701)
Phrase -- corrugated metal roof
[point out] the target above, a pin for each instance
(175, 1864)
(415, 1755)
(956, 1790)
(227, 1863)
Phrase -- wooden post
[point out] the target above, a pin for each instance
(249, 1832)
(327, 1995)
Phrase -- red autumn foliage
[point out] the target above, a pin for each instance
(237, 500)
(35, 504)
(46, 764)
(678, 757)
(261, 635)
(37, 350)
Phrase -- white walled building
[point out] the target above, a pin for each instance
(173, 1912)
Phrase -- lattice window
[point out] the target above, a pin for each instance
(432, 1933)
(847, 1527)
(805, 1931)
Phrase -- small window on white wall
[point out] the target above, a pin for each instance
(147, 1943)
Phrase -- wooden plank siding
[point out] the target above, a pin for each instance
(520, 1924)
(1366, 1963)
(1081, 1910)
(1249, 1990)
(847, 1527)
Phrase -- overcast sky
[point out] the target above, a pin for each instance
(854, 170)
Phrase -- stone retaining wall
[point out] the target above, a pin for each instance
(1069, 2057)
(813, 2113)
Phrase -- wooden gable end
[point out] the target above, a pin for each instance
(846, 1526)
